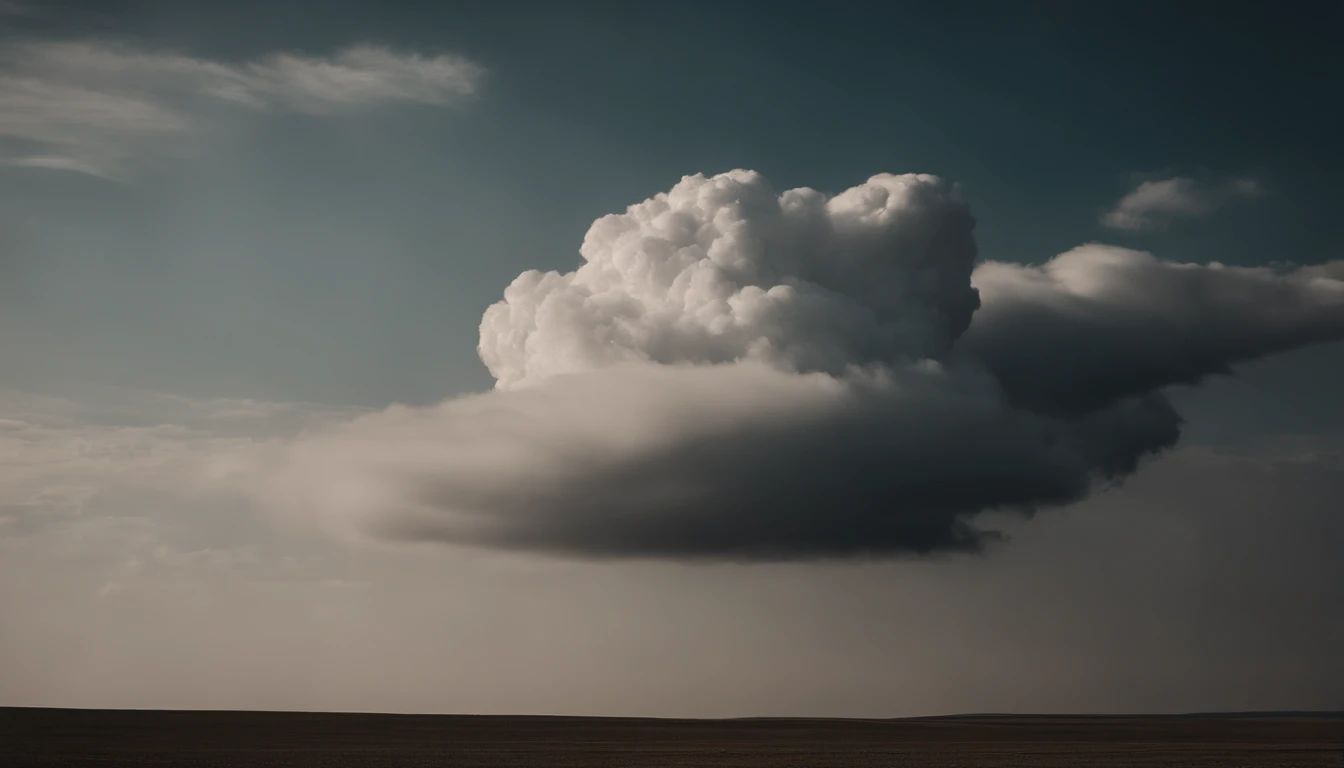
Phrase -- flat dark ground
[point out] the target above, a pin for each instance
(63, 737)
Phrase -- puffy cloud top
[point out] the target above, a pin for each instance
(722, 269)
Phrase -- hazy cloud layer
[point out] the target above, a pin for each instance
(743, 375)
(93, 107)
(1154, 203)
(721, 461)
(156, 593)
(60, 458)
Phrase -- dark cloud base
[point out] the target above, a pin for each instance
(882, 476)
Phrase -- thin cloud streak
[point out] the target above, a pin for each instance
(59, 163)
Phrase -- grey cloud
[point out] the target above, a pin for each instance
(737, 461)
(880, 476)
(1100, 322)
(96, 107)
(1155, 203)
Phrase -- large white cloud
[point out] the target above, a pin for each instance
(735, 373)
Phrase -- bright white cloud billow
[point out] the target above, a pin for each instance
(1155, 203)
(95, 107)
(722, 269)
(735, 373)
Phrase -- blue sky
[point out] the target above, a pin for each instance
(233, 235)
(296, 257)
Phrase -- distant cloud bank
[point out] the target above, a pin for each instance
(96, 107)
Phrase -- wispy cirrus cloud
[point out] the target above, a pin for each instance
(97, 107)
(1155, 203)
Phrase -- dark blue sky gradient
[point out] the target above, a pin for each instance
(350, 262)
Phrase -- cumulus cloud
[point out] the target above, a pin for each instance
(1155, 203)
(722, 269)
(738, 374)
(92, 107)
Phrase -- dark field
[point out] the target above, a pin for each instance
(52, 737)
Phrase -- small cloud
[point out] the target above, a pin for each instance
(96, 107)
(1246, 188)
(1155, 203)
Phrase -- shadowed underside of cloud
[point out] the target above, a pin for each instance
(736, 374)
(1099, 323)
(724, 461)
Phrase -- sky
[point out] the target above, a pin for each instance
(700, 360)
